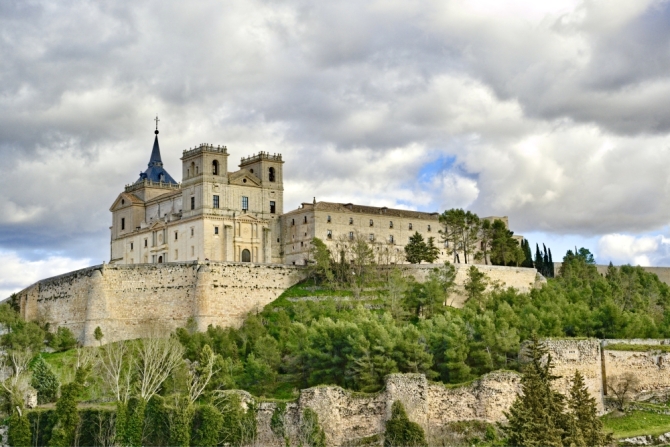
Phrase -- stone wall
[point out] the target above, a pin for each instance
(130, 301)
(651, 367)
(348, 417)
(520, 278)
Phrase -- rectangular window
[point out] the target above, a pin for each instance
(391, 238)
(273, 208)
(410, 226)
(176, 235)
(351, 221)
(192, 203)
(351, 235)
(245, 203)
(215, 201)
(372, 237)
(292, 221)
(216, 230)
(372, 223)
(391, 224)
(123, 223)
(328, 220)
(145, 242)
(131, 246)
(428, 227)
(192, 231)
(304, 220)
(329, 234)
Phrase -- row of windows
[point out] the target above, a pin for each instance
(351, 222)
(371, 236)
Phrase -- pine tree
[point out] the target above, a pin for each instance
(537, 418)
(585, 414)
(415, 250)
(432, 252)
(44, 381)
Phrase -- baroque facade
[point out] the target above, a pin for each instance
(217, 215)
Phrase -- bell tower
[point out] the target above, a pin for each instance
(202, 168)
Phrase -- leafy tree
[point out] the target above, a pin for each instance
(416, 248)
(485, 239)
(20, 335)
(207, 424)
(537, 418)
(400, 431)
(44, 381)
(239, 425)
(320, 265)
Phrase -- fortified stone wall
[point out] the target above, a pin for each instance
(130, 301)
(348, 417)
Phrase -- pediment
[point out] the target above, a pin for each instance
(243, 178)
(125, 200)
(248, 218)
(157, 223)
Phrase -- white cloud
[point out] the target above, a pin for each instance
(17, 273)
(634, 250)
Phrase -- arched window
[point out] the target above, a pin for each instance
(160, 259)
(246, 255)
(272, 174)
(215, 167)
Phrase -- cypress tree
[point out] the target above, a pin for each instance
(537, 418)
(551, 265)
(539, 264)
(589, 428)
(44, 381)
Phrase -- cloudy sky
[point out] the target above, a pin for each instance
(552, 113)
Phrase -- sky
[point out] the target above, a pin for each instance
(552, 113)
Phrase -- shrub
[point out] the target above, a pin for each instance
(19, 434)
(402, 432)
(63, 339)
(207, 425)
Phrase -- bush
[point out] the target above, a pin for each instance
(19, 434)
(62, 340)
(207, 425)
(400, 431)
(311, 433)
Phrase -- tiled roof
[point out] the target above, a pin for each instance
(155, 171)
(373, 210)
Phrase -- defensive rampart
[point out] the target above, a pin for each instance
(129, 301)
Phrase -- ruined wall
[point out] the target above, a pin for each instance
(348, 417)
(651, 367)
(584, 355)
(130, 301)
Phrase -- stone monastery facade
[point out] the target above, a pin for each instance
(238, 216)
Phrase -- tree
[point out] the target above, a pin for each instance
(400, 431)
(97, 334)
(528, 257)
(44, 381)
(18, 433)
(63, 339)
(585, 413)
(622, 387)
(475, 284)
(485, 237)
(415, 250)
(320, 265)
(67, 416)
(505, 250)
(200, 373)
(460, 229)
(537, 418)
(432, 252)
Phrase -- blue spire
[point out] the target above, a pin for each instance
(155, 171)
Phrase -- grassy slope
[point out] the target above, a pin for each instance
(637, 423)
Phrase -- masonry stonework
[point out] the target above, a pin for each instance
(130, 301)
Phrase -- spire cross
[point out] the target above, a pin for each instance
(157, 120)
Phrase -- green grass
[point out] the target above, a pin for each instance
(637, 423)
(308, 288)
(636, 348)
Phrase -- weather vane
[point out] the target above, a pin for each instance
(157, 120)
